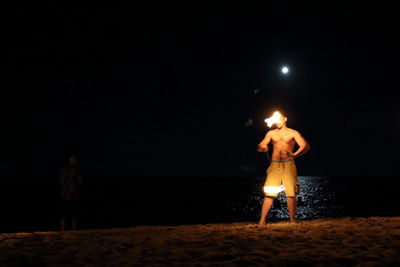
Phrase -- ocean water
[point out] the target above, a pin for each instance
(31, 204)
(331, 197)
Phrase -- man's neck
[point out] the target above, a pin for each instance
(283, 128)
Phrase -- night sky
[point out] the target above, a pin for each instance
(166, 89)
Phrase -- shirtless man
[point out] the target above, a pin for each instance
(282, 170)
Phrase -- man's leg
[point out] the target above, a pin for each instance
(291, 203)
(74, 221)
(265, 208)
(75, 213)
(62, 222)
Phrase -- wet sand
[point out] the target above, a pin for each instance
(373, 241)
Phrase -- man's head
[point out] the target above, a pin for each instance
(281, 121)
(73, 161)
(278, 119)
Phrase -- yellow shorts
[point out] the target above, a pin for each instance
(282, 173)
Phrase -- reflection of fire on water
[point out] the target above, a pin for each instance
(273, 119)
(273, 189)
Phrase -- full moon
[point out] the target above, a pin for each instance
(285, 70)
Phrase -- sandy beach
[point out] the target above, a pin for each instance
(373, 241)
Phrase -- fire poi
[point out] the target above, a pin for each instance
(274, 189)
(273, 119)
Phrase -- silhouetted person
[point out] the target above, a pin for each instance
(70, 182)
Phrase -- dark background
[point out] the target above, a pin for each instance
(165, 90)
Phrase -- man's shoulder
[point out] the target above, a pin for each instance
(293, 131)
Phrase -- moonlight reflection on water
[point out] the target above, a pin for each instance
(318, 198)
(322, 197)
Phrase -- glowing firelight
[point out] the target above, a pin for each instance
(273, 119)
(273, 189)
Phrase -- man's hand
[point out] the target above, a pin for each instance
(262, 148)
(291, 155)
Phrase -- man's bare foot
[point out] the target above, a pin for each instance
(262, 223)
(293, 221)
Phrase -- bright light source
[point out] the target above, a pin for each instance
(273, 119)
(274, 189)
(285, 70)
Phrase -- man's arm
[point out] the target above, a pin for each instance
(263, 145)
(302, 143)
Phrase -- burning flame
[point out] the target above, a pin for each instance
(273, 119)
(273, 189)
